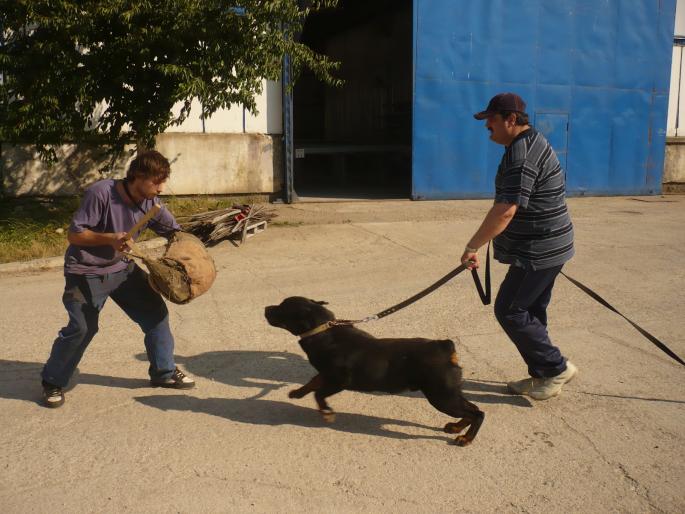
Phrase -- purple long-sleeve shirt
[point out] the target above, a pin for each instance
(104, 210)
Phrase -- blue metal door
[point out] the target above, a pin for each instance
(554, 126)
(604, 65)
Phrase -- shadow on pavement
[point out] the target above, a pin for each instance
(263, 370)
(20, 380)
(480, 391)
(273, 370)
(276, 413)
(269, 371)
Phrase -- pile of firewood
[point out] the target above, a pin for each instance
(235, 223)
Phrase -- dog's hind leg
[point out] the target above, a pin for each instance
(312, 385)
(321, 394)
(458, 407)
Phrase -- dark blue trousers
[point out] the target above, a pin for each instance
(85, 295)
(521, 309)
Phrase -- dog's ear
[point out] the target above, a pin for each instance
(320, 302)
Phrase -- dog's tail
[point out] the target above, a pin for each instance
(447, 346)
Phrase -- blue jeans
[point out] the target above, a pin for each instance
(521, 309)
(85, 295)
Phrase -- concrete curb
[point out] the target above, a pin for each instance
(57, 262)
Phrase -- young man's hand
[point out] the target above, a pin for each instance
(116, 240)
(470, 259)
(119, 241)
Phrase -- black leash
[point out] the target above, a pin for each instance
(485, 295)
(642, 331)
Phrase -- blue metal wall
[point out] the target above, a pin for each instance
(594, 73)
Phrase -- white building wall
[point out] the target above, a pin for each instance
(270, 106)
(233, 152)
(676, 107)
(676, 99)
(679, 19)
(237, 119)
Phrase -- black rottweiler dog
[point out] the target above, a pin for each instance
(349, 358)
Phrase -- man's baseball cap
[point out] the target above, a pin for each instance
(502, 102)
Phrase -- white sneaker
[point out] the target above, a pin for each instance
(53, 396)
(543, 388)
(178, 380)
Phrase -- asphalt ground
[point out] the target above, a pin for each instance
(613, 441)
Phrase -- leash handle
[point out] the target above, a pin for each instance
(485, 296)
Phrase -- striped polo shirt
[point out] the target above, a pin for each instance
(540, 235)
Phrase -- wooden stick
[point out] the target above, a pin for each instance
(149, 214)
(129, 235)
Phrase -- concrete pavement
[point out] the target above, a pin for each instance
(612, 442)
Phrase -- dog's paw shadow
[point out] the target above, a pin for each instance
(276, 413)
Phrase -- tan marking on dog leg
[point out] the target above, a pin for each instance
(474, 426)
(310, 386)
(455, 428)
(462, 440)
(328, 415)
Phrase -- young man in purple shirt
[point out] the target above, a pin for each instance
(96, 268)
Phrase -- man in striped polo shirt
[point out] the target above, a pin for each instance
(532, 232)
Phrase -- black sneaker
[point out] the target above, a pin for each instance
(176, 381)
(53, 396)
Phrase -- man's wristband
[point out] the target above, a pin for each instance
(468, 249)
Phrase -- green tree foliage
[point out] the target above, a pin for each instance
(109, 71)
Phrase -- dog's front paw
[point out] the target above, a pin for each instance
(296, 393)
(328, 415)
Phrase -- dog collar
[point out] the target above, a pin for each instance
(317, 330)
(333, 323)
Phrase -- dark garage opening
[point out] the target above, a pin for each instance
(354, 141)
